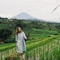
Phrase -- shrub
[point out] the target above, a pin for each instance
(5, 34)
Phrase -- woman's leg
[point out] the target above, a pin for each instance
(21, 55)
(24, 56)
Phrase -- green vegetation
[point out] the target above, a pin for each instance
(27, 26)
(5, 34)
(43, 39)
(38, 41)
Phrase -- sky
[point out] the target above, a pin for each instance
(41, 9)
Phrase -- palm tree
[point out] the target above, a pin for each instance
(56, 8)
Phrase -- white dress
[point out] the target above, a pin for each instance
(20, 38)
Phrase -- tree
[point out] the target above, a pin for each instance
(5, 34)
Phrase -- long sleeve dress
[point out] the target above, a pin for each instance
(21, 46)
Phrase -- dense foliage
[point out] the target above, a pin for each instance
(5, 34)
(27, 26)
(41, 42)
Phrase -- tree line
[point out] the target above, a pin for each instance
(8, 27)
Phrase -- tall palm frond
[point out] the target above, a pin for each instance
(55, 8)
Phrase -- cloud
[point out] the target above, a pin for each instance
(38, 8)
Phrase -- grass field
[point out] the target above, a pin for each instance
(42, 45)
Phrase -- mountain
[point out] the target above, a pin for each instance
(26, 16)
(23, 15)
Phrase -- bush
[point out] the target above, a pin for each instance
(5, 34)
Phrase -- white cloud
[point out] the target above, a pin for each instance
(38, 8)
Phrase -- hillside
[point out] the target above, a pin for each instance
(27, 25)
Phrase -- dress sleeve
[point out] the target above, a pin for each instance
(24, 35)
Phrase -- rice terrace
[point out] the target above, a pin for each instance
(43, 39)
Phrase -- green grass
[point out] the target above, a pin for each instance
(7, 46)
(41, 39)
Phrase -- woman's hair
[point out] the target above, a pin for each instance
(18, 30)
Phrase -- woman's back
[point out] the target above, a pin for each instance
(20, 36)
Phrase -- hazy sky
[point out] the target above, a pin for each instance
(38, 8)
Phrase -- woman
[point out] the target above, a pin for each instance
(20, 38)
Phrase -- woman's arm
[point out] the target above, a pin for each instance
(16, 37)
(24, 36)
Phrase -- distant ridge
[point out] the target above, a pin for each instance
(26, 16)
(23, 15)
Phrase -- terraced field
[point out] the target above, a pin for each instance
(42, 45)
